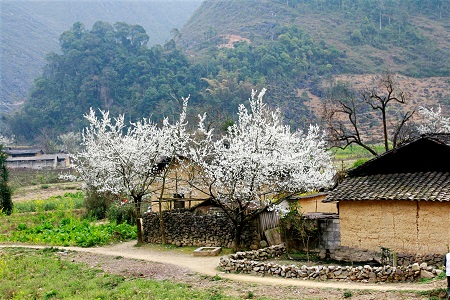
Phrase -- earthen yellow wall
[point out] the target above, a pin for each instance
(176, 183)
(403, 226)
(315, 204)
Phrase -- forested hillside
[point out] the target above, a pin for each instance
(296, 49)
(31, 29)
(405, 35)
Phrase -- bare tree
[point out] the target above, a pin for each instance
(347, 115)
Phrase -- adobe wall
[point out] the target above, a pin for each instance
(315, 204)
(402, 226)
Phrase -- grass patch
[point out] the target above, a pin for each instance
(69, 201)
(441, 276)
(26, 177)
(42, 274)
(434, 294)
(354, 153)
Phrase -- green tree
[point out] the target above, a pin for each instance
(6, 204)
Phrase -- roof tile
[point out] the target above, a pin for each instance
(425, 186)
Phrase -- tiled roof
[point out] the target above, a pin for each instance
(427, 153)
(59, 156)
(439, 137)
(421, 186)
(20, 151)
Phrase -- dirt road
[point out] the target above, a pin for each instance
(208, 266)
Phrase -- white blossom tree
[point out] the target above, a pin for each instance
(259, 161)
(6, 141)
(433, 121)
(130, 159)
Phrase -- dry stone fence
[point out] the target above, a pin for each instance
(255, 262)
(185, 228)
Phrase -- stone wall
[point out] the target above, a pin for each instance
(260, 254)
(353, 255)
(330, 234)
(183, 228)
(414, 227)
(253, 262)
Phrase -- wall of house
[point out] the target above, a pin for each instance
(315, 204)
(330, 235)
(176, 183)
(403, 226)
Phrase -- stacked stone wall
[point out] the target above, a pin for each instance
(183, 228)
(353, 255)
(330, 234)
(253, 262)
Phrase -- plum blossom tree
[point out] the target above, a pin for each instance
(130, 159)
(258, 162)
(433, 121)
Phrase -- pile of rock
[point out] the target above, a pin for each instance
(261, 254)
(252, 262)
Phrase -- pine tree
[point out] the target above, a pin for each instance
(6, 205)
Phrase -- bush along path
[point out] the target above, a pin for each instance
(209, 266)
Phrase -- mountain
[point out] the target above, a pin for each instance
(407, 37)
(411, 37)
(298, 49)
(30, 29)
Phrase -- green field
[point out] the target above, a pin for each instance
(42, 274)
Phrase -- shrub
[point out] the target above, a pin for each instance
(122, 214)
(97, 204)
(6, 204)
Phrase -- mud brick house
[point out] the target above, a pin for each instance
(312, 203)
(399, 200)
(32, 158)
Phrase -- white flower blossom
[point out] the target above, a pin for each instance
(259, 158)
(433, 121)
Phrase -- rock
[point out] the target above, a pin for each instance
(273, 236)
(426, 274)
(415, 267)
(263, 244)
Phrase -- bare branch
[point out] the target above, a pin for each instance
(343, 115)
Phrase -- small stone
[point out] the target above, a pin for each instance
(426, 274)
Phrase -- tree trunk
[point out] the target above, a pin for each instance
(161, 224)
(238, 237)
(385, 133)
(161, 220)
(137, 203)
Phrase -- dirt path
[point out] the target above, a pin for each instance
(208, 266)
